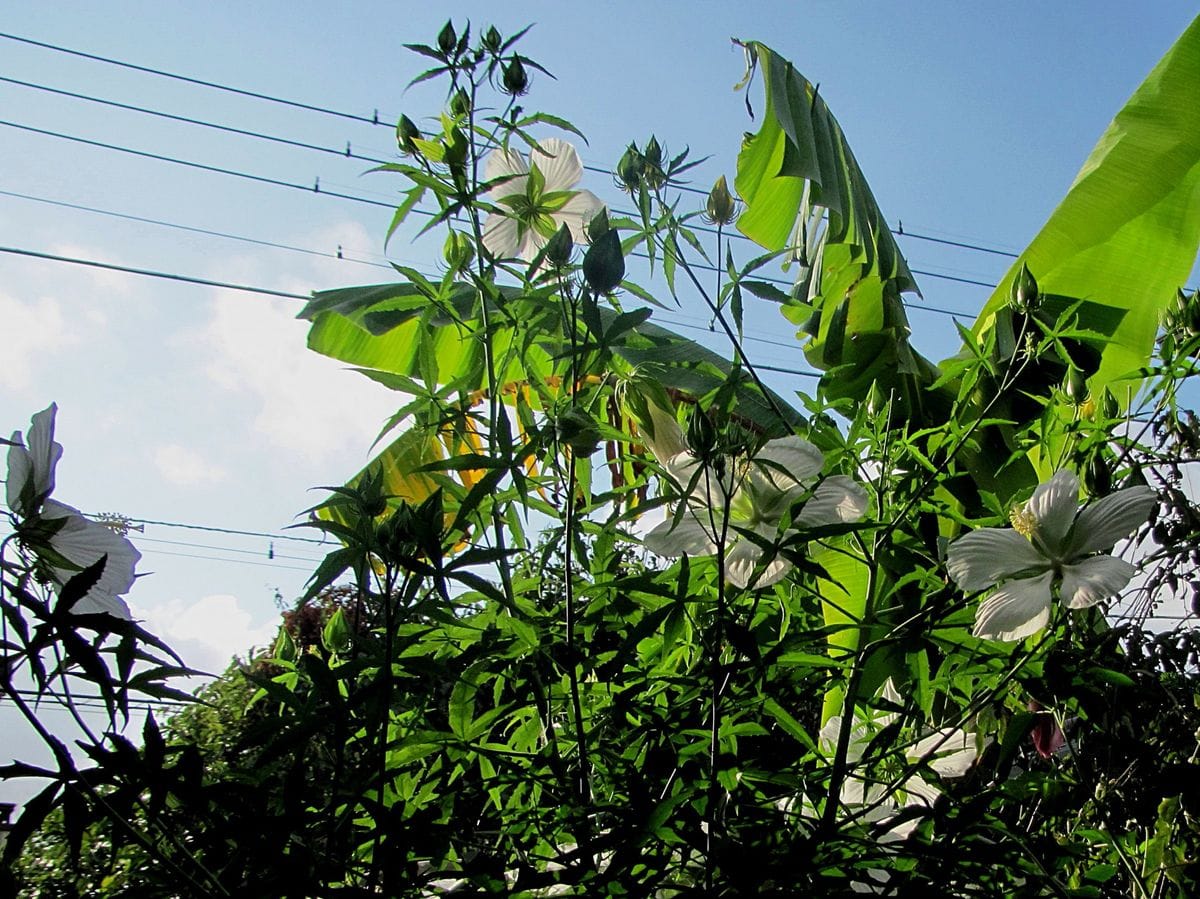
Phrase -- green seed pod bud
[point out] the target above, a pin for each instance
(721, 207)
(578, 430)
(336, 635)
(1191, 315)
(285, 646)
(653, 173)
(631, 168)
(1109, 405)
(492, 40)
(407, 134)
(447, 38)
(598, 226)
(458, 250)
(515, 81)
(876, 401)
(604, 263)
(1075, 386)
(1023, 295)
(558, 248)
(1098, 477)
(702, 436)
(460, 104)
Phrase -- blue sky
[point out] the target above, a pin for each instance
(192, 405)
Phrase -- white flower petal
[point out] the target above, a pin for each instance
(1104, 522)
(505, 162)
(918, 791)
(837, 500)
(1018, 609)
(667, 440)
(20, 473)
(577, 213)
(744, 556)
(741, 561)
(31, 465)
(987, 556)
(559, 164)
(83, 541)
(501, 236)
(672, 540)
(1100, 577)
(950, 752)
(792, 460)
(1054, 505)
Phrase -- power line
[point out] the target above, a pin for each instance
(270, 553)
(165, 552)
(295, 104)
(316, 188)
(223, 530)
(225, 285)
(375, 121)
(149, 273)
(216, 126)
(273, 244)
(193, 230)
(218, 170)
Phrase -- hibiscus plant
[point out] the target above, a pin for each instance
(620, 619)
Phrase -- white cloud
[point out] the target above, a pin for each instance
(34, 333)
(305, 403)
(186, 467)
(209, 631)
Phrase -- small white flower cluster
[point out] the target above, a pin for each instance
(58, 535)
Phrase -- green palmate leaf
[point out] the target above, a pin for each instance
(1126, 234)
(408, 331)
(805, 193)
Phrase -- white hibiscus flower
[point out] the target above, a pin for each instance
(948, 752)
(64, 540)
(539, 198)
(1054, 548)
(754, 496)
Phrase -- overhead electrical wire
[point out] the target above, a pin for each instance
(316, 188)
(349, 153)
(375, 120)
(207, 232)
(750, 335)
(226, 285)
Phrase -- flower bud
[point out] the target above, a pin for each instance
(407, 134)
(578, 430)
(1023, 295)
(653, 172)
(491, 40)
(1109, 405)
(1075, 386)
(460, 104)
(335, 636)
(285, 646)
(447, 38)
(631, 168)
(702, 436)
(1191, 314)
(515, 81)
(458, 250)
(720, 206)
(1097, 477)
(604, 263)
(558, 248)
(598, 225)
